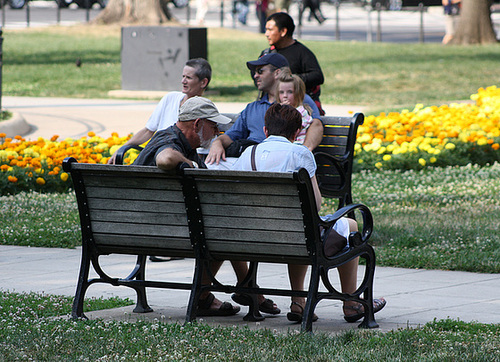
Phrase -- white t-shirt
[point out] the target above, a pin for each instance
(166, 112)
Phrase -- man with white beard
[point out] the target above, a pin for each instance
(196, 127)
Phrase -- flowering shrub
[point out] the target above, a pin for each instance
(37, 165)
(455, 134)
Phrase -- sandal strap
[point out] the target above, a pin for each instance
(297, 304)
(207, 302)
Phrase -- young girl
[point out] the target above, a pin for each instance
(290, 89)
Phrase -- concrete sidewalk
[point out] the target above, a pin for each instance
(74, 118)
(414, 297)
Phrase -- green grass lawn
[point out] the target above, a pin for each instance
(382, 76)
(30, 333)
(436, 218)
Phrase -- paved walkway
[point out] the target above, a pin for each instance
(414, 297)
(74, 118)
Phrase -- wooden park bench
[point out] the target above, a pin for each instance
(211, 215)
(334, 156)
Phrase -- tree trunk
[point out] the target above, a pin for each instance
(147, 12)
(475, 26)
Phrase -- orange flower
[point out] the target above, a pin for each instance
(91, 134)
(495, 146)
(40, 181)
(12, 179)
(54, 138)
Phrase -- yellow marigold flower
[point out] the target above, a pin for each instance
(378, 165)
(12, 179)
(450, 146)
(386, 157)
(421, 161)
(360, 161)
(64, 176)
(433, 159)
(40, 181)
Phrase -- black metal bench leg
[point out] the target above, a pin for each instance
(369, 319)
(83, 284)
(142, 302)
(311, 300)
(253, 314)
(196, 290)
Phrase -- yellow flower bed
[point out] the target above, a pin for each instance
(431, 131)
(37, 165)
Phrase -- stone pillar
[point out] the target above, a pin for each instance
(153, 57)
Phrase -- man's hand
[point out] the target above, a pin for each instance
(217, 152)
(112, 159)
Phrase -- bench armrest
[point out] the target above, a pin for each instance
(120, 154)
(336, 162)
(367, 227)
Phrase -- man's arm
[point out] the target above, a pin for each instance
(218, 149)
(314, 134)
(169, 158)
(139, 138)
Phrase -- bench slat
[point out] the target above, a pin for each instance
(156, 218)
(247, 188)
(133, 194)
(241, 199)
(270, 250)
(253, 236)
(251, 211)
(137, 206)
(155, 182)
(130, 228)
(263, 223)
(144, 242)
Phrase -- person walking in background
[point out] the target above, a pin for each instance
(314, 10)
(452, 15)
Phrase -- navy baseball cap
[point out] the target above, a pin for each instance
(275, 59)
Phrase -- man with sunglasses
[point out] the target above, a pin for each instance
(249, 127)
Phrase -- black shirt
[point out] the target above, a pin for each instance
(302, 62)
(172, 137)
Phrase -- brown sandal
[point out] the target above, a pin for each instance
(378, 304)
(297, 316)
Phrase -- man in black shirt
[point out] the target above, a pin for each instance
(197, 126)
(302, 61)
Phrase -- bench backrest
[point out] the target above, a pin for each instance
(257, 216)
(339, 139)
(122, 207)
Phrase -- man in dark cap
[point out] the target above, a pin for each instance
(248, 128)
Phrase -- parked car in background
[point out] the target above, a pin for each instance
(81, 3)
(14, 4)
(19, 4)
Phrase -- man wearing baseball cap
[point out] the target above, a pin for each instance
(196, 126)
(248, 129)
